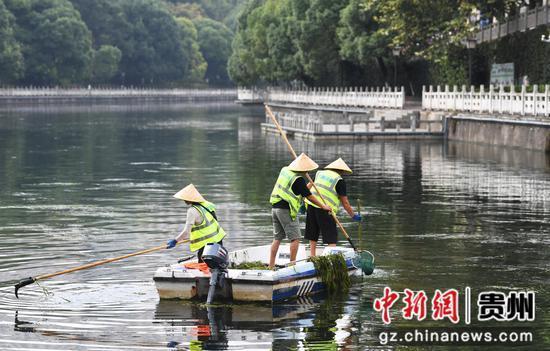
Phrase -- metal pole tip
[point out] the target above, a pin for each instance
(22, 283)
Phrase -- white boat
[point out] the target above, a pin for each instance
(301, 279)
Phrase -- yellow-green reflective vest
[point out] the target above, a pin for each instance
(283, 191)
(209, 231)
(326, 181)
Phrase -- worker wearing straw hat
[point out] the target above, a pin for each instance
(286, 199)
(202, 225)
(332, 187)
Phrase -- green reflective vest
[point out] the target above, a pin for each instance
(209, 231)
(326, 181)
(283, 191)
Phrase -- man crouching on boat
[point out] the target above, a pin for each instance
(202, 225)
(286, 199)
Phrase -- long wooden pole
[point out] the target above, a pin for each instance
(360, 227)
(31, 280)
(283, 134)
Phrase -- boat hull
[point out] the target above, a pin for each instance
(178, 282)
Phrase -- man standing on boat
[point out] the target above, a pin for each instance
(286, 199)
(202, 225)
(332, 187)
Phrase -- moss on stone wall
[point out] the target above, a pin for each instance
(525, 49)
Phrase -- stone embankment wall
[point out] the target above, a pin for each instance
(515, 133)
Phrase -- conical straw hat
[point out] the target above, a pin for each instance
(339, 165)
(303, 163)
(189, 193)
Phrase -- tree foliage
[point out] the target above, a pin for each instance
(106, 20)
(328, 42)
(178, 42)
(316, 23)
(359, 36)
(153, 52)
(289, 40)
(215, 45)
(56, 44)
(214, 9)
(264, 47)
(105, 63)
(130, 42)
(11, 58)
(197, 65)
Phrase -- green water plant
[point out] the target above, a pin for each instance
(259, 265)
(333, 272)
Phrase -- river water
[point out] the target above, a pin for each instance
(82, 183)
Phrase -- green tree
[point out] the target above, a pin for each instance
(215, 45)
(197, 65)
(283, 58)
(11, 58)
(105, 63)
(243, 60)
(263, 48)
(213, 9)
(423, 28)
(186, 10)
(230, 19)
(106, 21)
(156, 47)
(315, 33)
(358, 36)
(361, 42)
(286, 40)
(154, 52)
(56, 44)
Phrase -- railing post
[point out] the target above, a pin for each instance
(535, 91)
(481, 96)
(511, 100)
(446, 98)
(424, 98)
(523, 100)
(455, 96)
(431, 96)
(500, 97)
(547, 95)
(491, 87)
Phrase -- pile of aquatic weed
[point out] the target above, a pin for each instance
(333, 272)
(250, 265)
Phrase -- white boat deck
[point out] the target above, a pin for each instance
(300, 279)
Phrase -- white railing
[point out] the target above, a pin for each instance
(488, 101)
(250, 94)
(355, 123)
(341, 97)
(38, 92)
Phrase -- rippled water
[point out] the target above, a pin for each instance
(81, 183)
